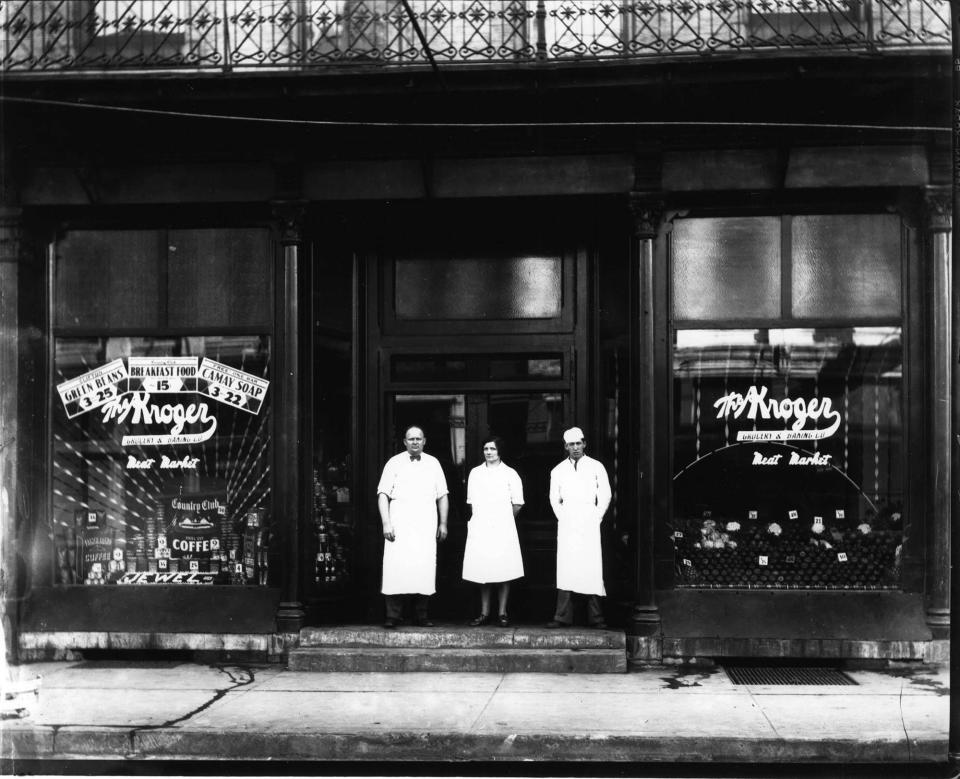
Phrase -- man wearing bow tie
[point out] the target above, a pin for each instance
(411, 497)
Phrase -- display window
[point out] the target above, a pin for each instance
(161, 442)
(788, 434)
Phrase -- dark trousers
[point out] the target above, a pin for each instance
(564, 613)
(395, 605)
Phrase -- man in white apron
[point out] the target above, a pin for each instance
(579, 495)
(412, 493)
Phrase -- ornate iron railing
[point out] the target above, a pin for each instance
(42, 35)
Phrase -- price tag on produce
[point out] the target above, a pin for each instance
(93, 389)
(752, 514)
(763, 559)
(231, 386)
(842, 557)
(840, 513)
(793, 514)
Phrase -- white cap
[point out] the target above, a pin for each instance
(572, 435)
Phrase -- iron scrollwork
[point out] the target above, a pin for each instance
(297, 34)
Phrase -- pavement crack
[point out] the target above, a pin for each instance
(240, 676)
(755, 702)
(903, 724)
(486, 705)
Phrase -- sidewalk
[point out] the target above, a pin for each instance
(178, 711)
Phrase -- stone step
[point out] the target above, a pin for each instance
(462, 660)
(459, 637)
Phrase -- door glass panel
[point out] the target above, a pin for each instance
(531, 426)
(479, 288)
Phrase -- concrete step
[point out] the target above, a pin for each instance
(461, 660)
(459, 637)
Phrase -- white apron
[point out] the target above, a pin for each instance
(492, 553)
(579, 557)
(410, 560)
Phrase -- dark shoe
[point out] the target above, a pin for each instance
(554, 624)
(423, 623)
(391, 624)
(599, 626)
(483, 619)
(503, 621)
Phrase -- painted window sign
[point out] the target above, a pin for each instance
(800, 431)
(795, 412)
(165, 442)
(127, 395)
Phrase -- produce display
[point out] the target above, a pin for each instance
(813, 552)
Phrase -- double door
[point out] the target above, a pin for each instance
(455, 423)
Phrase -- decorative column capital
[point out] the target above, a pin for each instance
(938, 208)
(646, 213)
(290, 215)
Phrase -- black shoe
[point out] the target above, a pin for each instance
(503, 621)
(554, 624)
(391, 624)
(483, 619)
(599, 626)
(423, 623)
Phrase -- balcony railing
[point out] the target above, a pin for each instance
(59, 35)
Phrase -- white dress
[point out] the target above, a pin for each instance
(579, 497)
(492, 553)
(410, 560)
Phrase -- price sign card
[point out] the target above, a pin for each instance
(231, 386)
(93, 389)
(763, 559)
(162, 374)
(752, 514)
(793, 514)
(840, 513)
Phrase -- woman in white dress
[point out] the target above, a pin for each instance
(492, 555)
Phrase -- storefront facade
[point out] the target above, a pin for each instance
(223, 329)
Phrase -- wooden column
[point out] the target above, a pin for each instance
(9, 395)
(646, 214)
(288, 412)
(942, 357)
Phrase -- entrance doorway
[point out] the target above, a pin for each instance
(455, 424)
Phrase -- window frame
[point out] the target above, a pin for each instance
(57, 331)
(910, 322)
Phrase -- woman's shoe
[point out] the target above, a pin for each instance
(483, 619)
(503, 621)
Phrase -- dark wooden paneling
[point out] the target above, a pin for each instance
(890, 616)
(152, 609)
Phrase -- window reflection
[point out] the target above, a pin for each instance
(788, 457)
